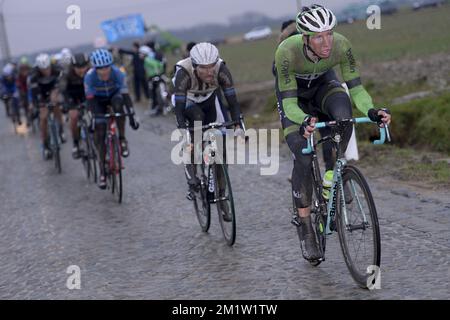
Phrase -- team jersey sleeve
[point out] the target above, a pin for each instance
(182, 83)
(227, 85)
(287, 85)
(351, 76)
(88, 85)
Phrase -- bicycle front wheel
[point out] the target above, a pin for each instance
(201, 203)
(85, 151)
(225, 203)
(116, 170)
(54, 139)
(358, 228)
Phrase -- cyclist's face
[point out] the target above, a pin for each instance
(206, 72)
(81, 71)
(46, 72)
(104, 73)
(322, 43)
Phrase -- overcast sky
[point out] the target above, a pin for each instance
(38, 25)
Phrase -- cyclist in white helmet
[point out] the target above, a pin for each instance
(44, 89)
(154, 69)
(66, 57)
(198, 80)
(307, 88)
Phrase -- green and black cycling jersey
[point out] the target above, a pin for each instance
(297, 73)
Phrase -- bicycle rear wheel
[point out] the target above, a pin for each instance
(225, 203)
(92, 157)
(201, 203)
(85, 148)
(359, 234)
(116, 170)
(318, 218)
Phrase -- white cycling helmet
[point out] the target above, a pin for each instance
(145, 50)
(8, 70)
(314, 19)
(43, 61)
(204, 53)
(66, 51)
(66, 56)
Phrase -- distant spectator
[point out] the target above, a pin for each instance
(158, 54)
(189, 46)
(139, 79)
(288, 28)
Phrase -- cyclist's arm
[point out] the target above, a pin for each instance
(33, 90)
(89, 90)
(123, 87)
(128, 52)
(182, 83)
(226, 83)
(352, 78)
(287, 85)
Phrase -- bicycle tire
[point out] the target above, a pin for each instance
(116, 171)
(360, 275)
(85, 155)
(201, 204)
(55, 145)
(229, 235)
(319, 224)
(92, 157)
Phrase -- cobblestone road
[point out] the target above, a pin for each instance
(151, 247)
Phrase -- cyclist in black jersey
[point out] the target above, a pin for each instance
(198, 81)
(44, 89)
(72, 89)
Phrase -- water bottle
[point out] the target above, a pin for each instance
(327, 182)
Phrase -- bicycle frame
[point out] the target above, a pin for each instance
(337, 184)
(209, 157)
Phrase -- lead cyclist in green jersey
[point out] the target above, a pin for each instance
(307, 88)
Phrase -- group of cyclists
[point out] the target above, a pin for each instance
(307, 89)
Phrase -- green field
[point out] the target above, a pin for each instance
(405, 34)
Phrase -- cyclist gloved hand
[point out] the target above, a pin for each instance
(308, 126)
(239, 132)
(380, 116)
